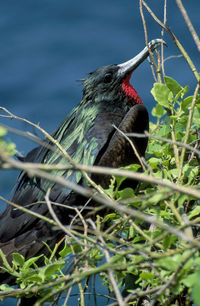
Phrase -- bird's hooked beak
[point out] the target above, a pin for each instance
(128, 67)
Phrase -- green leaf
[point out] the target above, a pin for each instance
(158, 111)
(65, 251)
(95, 254)
(18, 260)
(157, 197)
(2, 131)
(162, 94)
(196, 289)
(156, 148)
(138, 239)
(147, 276)
(170, 263)
(172, 85)
(120, 179)
(189, 280)
(108, 217)
(5, 287)
(48, 247)
(196, 116)
(30, 262)
(190, 172)
(52, 269)
(182, 199)
(195, 212)
(131, 232)
(125, 194)
(32, 278)
(164, 130)
(186, 103)
(168, 241)
(179, 127)
(154, 162)
(174, 172)
(198, 101)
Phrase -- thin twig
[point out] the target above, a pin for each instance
(178, 143)
(187, 133)
(162, 36)
(57, 221)
(189, 24)
(172, 280)
(176, 41)
(110, 271)
(132, 146)
(98, 170)
(28, 211)
(116, 205)
(146, 41)
(56, 143)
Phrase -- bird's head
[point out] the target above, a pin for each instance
(111, 83)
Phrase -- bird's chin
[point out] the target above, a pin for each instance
(130, 91)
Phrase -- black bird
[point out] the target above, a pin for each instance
(88, 136)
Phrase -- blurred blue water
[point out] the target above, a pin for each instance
(47, 45)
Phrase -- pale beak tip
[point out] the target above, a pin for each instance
(155, 43)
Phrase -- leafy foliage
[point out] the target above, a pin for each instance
(149, 254)
(145, 257)
(6, 145)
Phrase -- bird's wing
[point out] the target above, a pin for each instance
(82, 136)
(89, 138)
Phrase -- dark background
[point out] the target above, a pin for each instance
(46, 45)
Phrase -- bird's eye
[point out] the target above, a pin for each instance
(107, 78)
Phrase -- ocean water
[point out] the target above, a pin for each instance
(46, 46)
